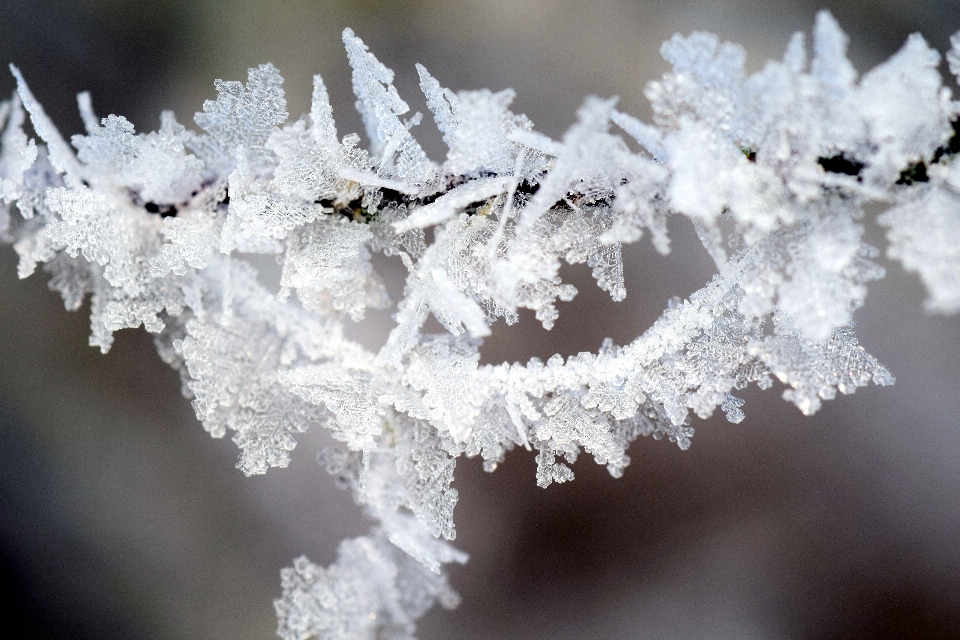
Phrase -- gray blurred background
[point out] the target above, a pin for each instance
(121, 518)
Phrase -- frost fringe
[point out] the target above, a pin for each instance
(774, 170)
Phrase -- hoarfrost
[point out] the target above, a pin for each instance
(775, 170)
(241, 116)
(398, 154)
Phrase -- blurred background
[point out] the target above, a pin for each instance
(121, 518)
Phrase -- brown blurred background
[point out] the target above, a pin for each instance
(121, 518)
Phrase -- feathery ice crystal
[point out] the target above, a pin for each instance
(773, 169)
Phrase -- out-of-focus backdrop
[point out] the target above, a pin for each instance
(121, 518)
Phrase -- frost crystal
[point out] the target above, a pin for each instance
(774, 169)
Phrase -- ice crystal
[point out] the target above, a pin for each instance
(774, 169)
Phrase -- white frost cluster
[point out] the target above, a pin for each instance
(774, 169)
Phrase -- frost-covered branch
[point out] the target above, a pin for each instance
(774, 170)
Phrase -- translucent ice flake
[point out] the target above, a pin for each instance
(60, 154)
(348, 394)
(445, 369)
(549, 470)
(17, 154)
(112, 308)
(192, 237)
(309, 157)
(905, 109)
(817, 370)
(258, 219)
(443, 103)
(373, 590)
(329, 266)
(72, 277)
(441, 283)
(953, 56)
(828, 277)
(398, 154)
(241, 393)
(106, 229)
(425, 468)
(924, 235)
(567, 217)
(567, 426)
(648, 136)
(830, 66)
(587, 164)
(731, 407)
(323, 128)
(480, 131)
(238, 387)
(155, 167)
(704, 83)
(241, 116)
